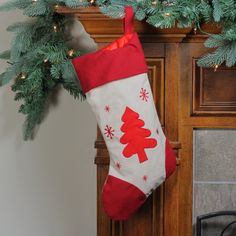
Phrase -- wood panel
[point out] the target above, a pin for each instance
(171, 186)
(156, 78)
(214, 90)
(149, 220)
(189, 83)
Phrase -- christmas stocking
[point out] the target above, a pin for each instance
(117, 88)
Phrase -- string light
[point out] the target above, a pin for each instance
(71, 52)
(56, 6)
(195, 30)
(45, 60)
(154, 3)
(167, 14)
(55, 28)
(22, 76)
(168, 4)
(216, 67)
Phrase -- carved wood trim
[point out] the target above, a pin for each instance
(104, 29)
(102, 156)
(213, 91)
(101, 145)
(157, 83)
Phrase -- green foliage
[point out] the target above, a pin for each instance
(70, 81)
(10, 73)
(5, 55)
(40, 51)
(15, 4)
(205, 12)
(225, 52)
(31, 90)
(186, 13)
(38, 8)
(217, 10)
(76, 3)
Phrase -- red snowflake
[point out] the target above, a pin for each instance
(109, 131)
(144, 94)
(107, 108)
(118, 165)
(145, 178)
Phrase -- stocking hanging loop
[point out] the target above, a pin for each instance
(128, 21)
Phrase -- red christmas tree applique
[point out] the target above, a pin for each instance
(135, 136)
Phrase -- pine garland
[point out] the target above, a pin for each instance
(40, 59)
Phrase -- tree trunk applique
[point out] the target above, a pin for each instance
(135, 136)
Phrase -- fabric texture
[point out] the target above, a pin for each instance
(117, 88)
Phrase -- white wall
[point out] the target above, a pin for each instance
(48, 186)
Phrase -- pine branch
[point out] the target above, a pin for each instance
(217, 12)
(10, 73)
(76, 3)
(5, 55)
(70, 81)
(219, 56)
(214, 41)
(31, 91)
(37, 8)
(15, 4)
(74, 89)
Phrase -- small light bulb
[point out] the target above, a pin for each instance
(154, 3)
(45, 60)
(55, 28)
(195, 30)
(33, 1)
(216, 67)
(167, 14)
(56, 6)
(23, 76)
(71, 52)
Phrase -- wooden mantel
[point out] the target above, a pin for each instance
(186, 97)
(93, 20)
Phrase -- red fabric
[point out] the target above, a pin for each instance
(120, 59)
(170, 161)
(121, 199)
(135, 136)
(119, 43)
(128, 20)
(104, 66)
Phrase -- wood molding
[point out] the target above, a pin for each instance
(102, 156)
(213, 91)
(104, 29)
(157, 81)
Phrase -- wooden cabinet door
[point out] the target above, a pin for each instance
(149, 219)
(161, 208)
